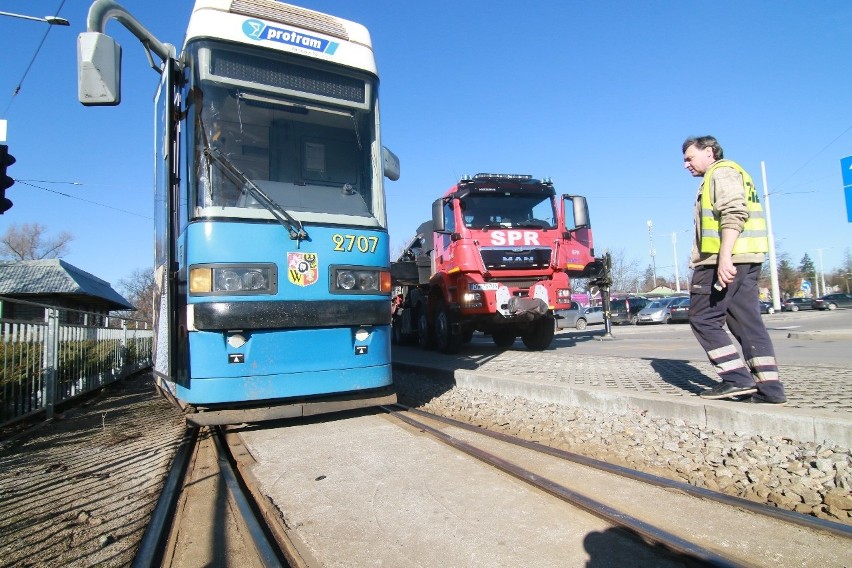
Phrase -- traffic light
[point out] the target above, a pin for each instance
(6, 159)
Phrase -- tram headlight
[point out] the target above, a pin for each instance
(359, 280)
(233, 279)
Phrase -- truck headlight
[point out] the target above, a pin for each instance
(359, 280)
(472, 299)
(232, 279)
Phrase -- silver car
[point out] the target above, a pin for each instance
(578, 316)
(657, 311)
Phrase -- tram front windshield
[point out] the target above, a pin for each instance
(278, 123)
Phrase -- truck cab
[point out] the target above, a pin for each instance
(501, 258)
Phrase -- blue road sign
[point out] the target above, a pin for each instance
(846, 169)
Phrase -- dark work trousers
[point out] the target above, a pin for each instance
(737, 305)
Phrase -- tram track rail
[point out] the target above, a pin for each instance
(269, 545)
(644, 529)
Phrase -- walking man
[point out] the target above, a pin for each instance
(727, 253)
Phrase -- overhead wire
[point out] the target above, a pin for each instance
(826, 147)
(86, 200)
(27, 70)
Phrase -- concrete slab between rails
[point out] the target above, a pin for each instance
(803, 425)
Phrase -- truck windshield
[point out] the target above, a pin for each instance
(483, 211)
(277, 122)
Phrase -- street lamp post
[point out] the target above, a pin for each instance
(677, 275)
(52, 20)
(653, 252)
(821, 273)
(773, 266)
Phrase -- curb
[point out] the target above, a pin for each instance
(729, 416)
(838, 335)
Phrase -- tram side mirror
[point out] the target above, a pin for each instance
(98, 70)
(390, 164)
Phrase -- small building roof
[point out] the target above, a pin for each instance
(55, 276)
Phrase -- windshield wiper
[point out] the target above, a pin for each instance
(294, 227)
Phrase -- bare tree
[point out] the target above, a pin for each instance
(28, 242)
(625, 272)
(789, 281)
(139, 289)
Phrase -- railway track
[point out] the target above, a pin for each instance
(215, 512)
(697, 549)
(210, 511)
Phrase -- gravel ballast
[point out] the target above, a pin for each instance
(809, 478)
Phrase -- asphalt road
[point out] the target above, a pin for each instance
(805, 338)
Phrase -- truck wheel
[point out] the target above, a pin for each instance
(397, 336)
(503, 339)
(541, 335)
(581, 323)
(448, 342)
(424, 334)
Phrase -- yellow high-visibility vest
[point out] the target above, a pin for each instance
(754, 236)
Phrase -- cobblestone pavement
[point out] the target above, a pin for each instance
(79, 491)
(807, 388)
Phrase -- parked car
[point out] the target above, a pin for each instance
(657, 311)
(578, 316)
(679, 310)
(626, 310)
(796, 304)
(833, 301)
(766, 307)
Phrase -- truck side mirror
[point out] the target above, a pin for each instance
(438, 216)
(390, 164)
(581, 212)
(98, 70)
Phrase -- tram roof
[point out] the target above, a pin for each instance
(269, 23)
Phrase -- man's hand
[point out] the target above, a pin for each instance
(726, 270)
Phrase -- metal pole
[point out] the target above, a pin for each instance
(773, 266)
(653, 252)
(51, 360)
(821, 273)
(677, 275)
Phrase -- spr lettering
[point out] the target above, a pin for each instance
(512, 238)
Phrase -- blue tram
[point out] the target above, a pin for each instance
(271, 244)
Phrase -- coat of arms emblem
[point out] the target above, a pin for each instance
(302, 268)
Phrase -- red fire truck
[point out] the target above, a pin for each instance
(497, 257)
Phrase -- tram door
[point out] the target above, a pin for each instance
(167, 328)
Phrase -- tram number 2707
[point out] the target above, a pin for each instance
(348, 243)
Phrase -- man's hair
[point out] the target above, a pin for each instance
(702, 142)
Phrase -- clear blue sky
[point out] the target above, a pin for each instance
(598, 96)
